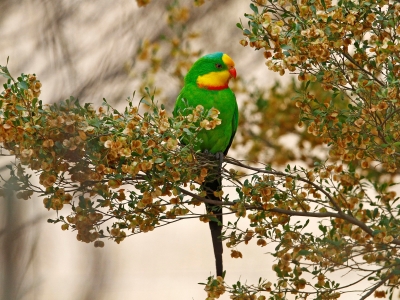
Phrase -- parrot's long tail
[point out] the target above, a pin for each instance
(213, 185)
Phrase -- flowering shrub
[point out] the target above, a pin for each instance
(351, 49)
(111, 174)
(102, 164)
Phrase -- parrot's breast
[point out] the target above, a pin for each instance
(219, 138)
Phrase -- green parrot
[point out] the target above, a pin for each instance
(206, 84)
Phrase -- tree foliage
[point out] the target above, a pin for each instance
(332, 209)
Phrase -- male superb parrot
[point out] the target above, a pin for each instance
(206, 84)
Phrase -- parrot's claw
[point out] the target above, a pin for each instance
(220, 157)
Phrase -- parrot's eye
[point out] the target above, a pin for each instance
(218, 66)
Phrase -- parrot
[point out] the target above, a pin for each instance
(206, 84)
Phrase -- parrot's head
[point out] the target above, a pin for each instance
(212, 71)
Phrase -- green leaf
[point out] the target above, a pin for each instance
(331, 9)
(5, 75)
(304, 252)
(396, 272)
(143, 100)
(159, 160)
(214, 219)
(286, 47)
(23, 85)
(187, 131)
(94, 122)
(254, 8)
(82, 202)
(390, 65)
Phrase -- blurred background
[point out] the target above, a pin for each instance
(108, 49)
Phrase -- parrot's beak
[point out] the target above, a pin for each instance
(232, 71)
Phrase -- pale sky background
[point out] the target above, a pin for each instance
(73, 45)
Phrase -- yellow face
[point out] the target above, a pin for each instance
(219, 79)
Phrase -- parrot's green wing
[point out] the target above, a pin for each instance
(235, 123)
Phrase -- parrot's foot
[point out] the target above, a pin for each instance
(219, 156)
